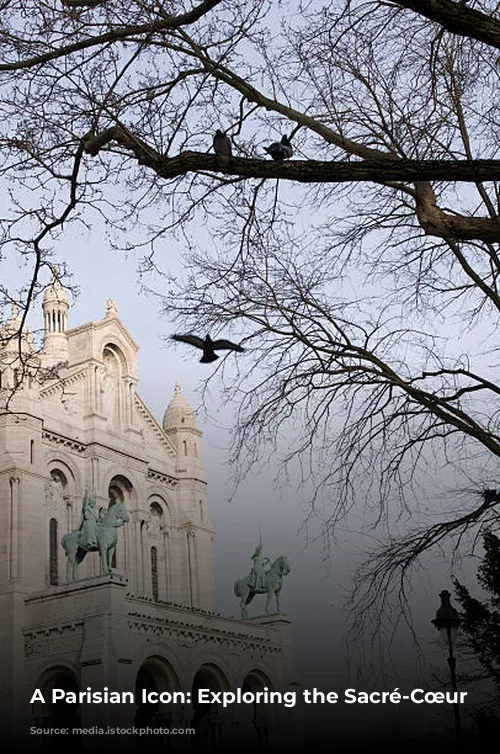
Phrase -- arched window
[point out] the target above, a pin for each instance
(53, 564)
(120, 490)
(154, 572)
(185, 447)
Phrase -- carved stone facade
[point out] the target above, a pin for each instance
(71, 418)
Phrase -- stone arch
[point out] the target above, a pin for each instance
(156, 509)
(156, 674)
(256, 673)
(58, 714)
(158, 496)
(64, 490)
(208, 718)
(63, 473)
(156, 516)
(158, 544)
(161, 673)
(253, 720)
(257, 680)
(121, 490)
(111, 350)
(113, 395)
(209, 676)
(121, 487)
(60, 514)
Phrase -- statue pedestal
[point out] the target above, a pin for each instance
(85, 625)
(266, 617)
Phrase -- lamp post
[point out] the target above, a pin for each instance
(447, 621)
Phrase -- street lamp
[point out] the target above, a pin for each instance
(447, 621)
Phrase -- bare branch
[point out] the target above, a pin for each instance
(457, 18)
(120, 34)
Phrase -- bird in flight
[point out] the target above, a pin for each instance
(280, 150)
(208, 346)
(222, 147)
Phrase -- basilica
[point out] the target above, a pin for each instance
(135, 615)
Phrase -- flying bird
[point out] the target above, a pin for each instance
(280, 150)
(222, 147)
(208, 346)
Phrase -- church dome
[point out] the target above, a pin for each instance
(55, 293)
(179, 413)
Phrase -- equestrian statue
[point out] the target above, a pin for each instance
(264, 578)
(97, 533)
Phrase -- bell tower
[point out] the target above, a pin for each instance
(179, 424)
(55, 310)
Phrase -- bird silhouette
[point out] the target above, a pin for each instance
(222, 147)
(208, 346)
(280, 150)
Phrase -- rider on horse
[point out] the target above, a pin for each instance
(88, 521)
(257, 578)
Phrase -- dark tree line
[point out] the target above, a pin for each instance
(481, 627)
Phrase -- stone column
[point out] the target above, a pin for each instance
(13, 540)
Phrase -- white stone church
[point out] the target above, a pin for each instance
(70, 420)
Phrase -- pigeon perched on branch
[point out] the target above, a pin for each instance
(280, 150)
(208, 346)
(222, 147)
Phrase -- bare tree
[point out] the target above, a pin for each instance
(362, 273)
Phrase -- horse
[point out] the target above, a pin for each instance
(273, 583)
(106, 536)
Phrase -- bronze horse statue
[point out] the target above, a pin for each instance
(273, 581)
(106, 536)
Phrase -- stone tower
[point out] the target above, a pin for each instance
(55, 310)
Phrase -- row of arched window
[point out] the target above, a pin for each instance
(212, 731)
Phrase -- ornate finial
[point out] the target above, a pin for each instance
(15, 310)
(55, 272)
(111, 307)
(177, 389)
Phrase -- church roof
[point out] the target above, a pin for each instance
(179, 413)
